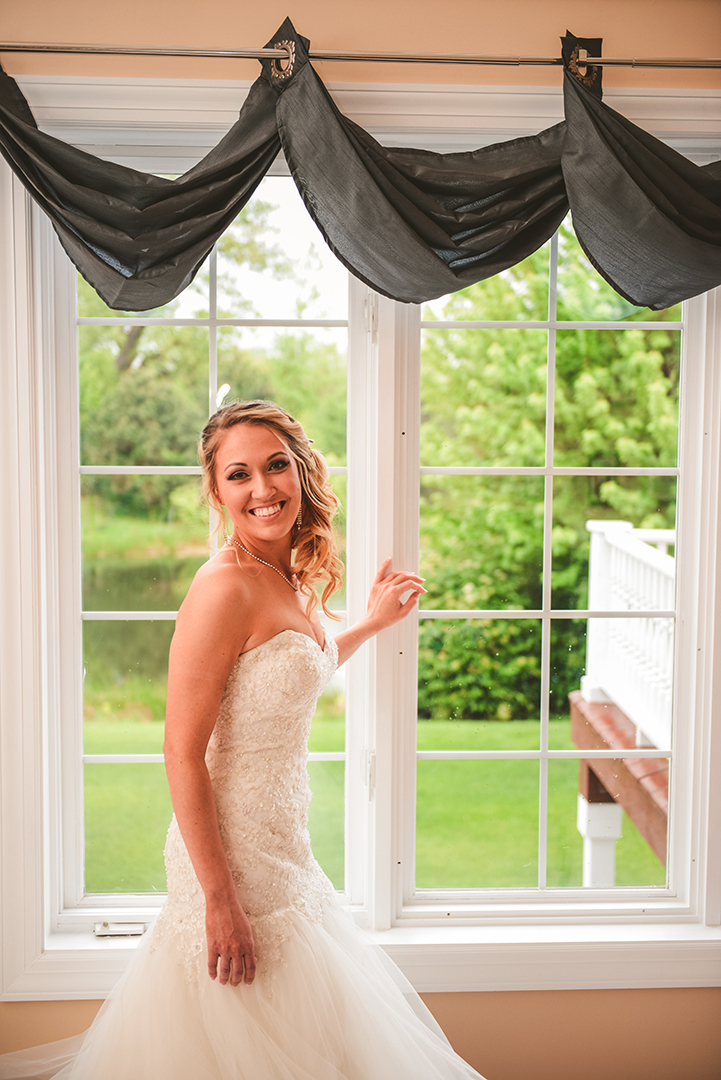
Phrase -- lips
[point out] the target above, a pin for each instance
(267, 511)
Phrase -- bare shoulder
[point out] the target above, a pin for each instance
(211, 630)
(217, 607)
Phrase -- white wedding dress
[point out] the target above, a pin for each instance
(325, 1005)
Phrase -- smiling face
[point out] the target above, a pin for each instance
(257, 481)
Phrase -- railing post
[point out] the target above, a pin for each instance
(600, 826)
(599, 821)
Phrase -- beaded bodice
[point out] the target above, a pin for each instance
(256, 759)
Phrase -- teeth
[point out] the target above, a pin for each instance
(266, 511)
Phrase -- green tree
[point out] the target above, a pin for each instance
(483, 403)
(143, 389)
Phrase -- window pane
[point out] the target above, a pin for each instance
(568, 667)
(481, 669)
(143, 394)
(617, 397)
(477, 735)
(611, 542)
(481, 542)
(326, 817)
(624, 839)
(273, 262)
(627, 686)
(623, 702)
(126, 672)
(483, 397)
(128, 731)
(583, 295)
(328, 728)
(127, 813)
(520, 292)
(476, 824)
(304, 371)
(144, 537)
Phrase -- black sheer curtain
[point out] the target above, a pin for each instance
(410, 223)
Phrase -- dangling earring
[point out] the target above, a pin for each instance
(299, 519)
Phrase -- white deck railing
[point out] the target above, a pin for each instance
(630, 661)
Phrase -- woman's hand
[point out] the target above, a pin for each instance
(393, 595)
(386, 605)
(231, 956)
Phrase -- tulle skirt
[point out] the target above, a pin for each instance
(334, 1008)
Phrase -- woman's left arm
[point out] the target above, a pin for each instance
(385, 607)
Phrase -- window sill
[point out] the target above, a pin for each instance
(445, 959)
(554, 957)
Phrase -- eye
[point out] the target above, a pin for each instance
(238, 475)
(279, 463)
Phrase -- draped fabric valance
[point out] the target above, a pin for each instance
(410, 223)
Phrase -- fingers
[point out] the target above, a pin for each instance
(231, 954)
(249, 968)
(409, 586)
(233, 969)
(382, 570)
(406, 605)
(396, 577)
(414, 587)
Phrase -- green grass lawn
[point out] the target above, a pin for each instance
(476, 821)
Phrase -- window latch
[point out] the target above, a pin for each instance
(371, 316)
(119, 929)
(371, 772)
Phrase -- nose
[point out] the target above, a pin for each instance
(263, 486)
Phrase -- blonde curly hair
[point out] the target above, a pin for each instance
(315, 553)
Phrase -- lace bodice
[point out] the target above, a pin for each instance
(256, 758)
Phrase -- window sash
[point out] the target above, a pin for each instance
(391, 895)
(73, 795)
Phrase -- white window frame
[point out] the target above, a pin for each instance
(582, 941)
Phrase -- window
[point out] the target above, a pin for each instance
(530, 435)
(419, 482)
(267, 319)
(524, 410)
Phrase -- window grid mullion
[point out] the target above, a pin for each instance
(213, 331)
(547, 565)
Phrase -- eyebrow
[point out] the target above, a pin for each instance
(235, 464)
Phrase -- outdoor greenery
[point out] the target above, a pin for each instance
(484, 403)
(485, 835)
(143, 401)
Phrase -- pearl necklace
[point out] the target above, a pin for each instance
(292, 582)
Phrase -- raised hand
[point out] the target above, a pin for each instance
(386, 603)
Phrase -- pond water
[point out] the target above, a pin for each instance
(137, 584)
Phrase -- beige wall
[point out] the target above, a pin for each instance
(511, 27)
(564, 1035)
(552, 1035)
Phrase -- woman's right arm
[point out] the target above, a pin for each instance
(205, 647)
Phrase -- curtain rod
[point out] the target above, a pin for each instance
(388, 58)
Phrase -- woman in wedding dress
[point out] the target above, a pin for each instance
(252, 970)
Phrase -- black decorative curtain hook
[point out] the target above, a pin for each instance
(281, 72)
(277, 70)
(573, 51)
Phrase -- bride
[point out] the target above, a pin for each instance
(252, 970)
